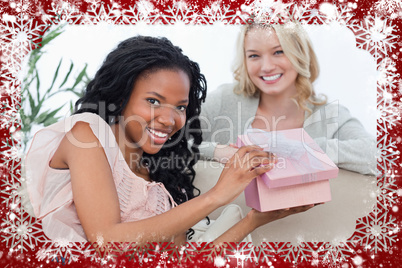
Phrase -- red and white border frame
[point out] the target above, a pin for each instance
(376, 241)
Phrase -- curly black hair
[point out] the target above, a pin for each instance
(108, 93)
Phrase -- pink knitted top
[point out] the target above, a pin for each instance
(50, 189)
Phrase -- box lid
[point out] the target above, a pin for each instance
(300, 159)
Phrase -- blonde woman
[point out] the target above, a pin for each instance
(275, 69)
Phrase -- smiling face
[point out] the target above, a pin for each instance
(267, 65)
(156, 109)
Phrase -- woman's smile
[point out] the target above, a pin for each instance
(267, 66)
(271, 79)
(159, 136)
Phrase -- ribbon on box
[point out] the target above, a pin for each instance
(282, 146)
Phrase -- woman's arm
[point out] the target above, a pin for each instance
(255, 219)
(358, 155)
(217, 125)
(96, 198)
(343, 138)
(222, 153)
(209, 111)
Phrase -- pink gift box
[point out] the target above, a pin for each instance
(300, 177)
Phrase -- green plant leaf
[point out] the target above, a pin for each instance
(33, 59)
(71, 107)
(39, 119)
(26, 86)
(37, 85)
(56, 74)
(51, 120)
(80, 76)
(52, 35)
(31, 81)
(53, 113)
(79, 94)
(44, 117)
(67, 75)
(32, 104)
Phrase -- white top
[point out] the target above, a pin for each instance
(225, 115)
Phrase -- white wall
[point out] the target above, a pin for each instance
(347, 73)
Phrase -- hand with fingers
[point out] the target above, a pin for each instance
(246, 164)
(261, 218)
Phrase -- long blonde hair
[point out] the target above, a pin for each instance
(297, 47)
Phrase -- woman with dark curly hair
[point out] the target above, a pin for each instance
(120, 168)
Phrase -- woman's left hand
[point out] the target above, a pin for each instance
(223, 153)
(261, 218)
(255, 219)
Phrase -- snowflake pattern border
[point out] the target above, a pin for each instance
(374, 35)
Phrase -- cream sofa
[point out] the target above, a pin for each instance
(353, 196)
